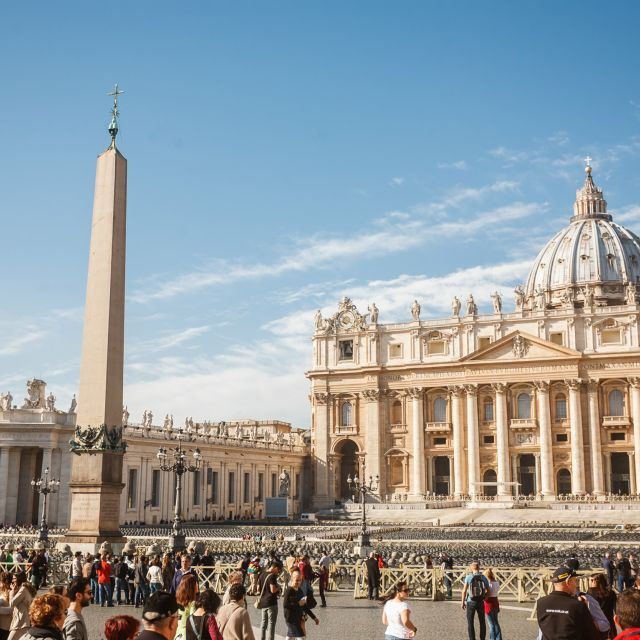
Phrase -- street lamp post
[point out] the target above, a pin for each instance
(175, 461)
(363, 487)
(43, 486)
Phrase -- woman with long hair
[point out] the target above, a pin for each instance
(47, 614)
(121, 628)
(5, 609)
(168, 571)
(20, 597)
(396, 614)
(186, 595)
(599, 589)
(492, 605)
(202, 623)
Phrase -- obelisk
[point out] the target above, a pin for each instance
(96, 474)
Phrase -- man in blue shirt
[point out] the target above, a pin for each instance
(476, 587)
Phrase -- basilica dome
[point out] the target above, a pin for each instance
(593, 261)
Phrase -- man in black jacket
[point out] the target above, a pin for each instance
(373, 576)
(563, 615)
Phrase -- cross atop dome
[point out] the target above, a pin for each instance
(590, 202)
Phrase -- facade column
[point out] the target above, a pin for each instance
(502, 438)
(452, 482)
(607, 472)
(538, 479)
(417, 481)
(458, 441)
(429, 480)
(597, 480)
(323, 443)
(372, 436)
(515, 475)
(473, 446)
(577, 445)
(632, 476)
(546, 452)
(635, 416)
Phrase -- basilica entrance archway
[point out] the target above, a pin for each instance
(527, 474)
(620, 473)
(441, 476)
(347, 452)
(490, 475)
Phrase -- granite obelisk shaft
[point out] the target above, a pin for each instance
(96, 477)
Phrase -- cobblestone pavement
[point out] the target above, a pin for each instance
(347, 618)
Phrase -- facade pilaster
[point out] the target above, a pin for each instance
(634, 384)
(546, 453)
(417, 481)
(502, 438)
(515, 472)
(473, 447)
(372, 438)
(322, 426)
(538, 478)
(607, 471)
(597, 479)
(458, 441)
(577, 445)
(452, 480)
(632, 477)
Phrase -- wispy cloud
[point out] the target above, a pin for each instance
(459, 165)
(14, 345)
(168, 341)
(396, 182)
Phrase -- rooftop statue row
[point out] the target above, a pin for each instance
(37, 398)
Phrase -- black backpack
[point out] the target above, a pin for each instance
(123, 570)
(477, 589)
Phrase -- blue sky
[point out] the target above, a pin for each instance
(284, 154)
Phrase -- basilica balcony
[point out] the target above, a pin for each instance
(518, 424)
(438, 427)
(351, 430)
(398, 428)
(615, 422)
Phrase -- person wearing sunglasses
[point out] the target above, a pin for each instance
(397, 615)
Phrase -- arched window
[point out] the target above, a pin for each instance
(488, 410)
(346, 414)
(524, 405)
(561, 407)
(439, 410)
(616, 403)
(396, 412)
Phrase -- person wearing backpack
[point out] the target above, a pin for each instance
(476, 588)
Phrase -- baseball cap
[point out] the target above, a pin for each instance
(159, 605)
(563, 573)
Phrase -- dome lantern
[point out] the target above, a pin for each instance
(590, 202)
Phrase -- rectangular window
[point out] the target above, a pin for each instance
(196, 488)
(155, 488)
(439, 442)
(488, 439)
(246, 496)
(232, 487)
(132, 489)
(611, 336)
(557, 338)
(260, 487)
(395, 351)
(214, 486)
(562, 437)
(618, 436)
(436, 347)
(274, 485)
(345, 349)
(488, 410)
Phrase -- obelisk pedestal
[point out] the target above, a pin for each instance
(96, 474)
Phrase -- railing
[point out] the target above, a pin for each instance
(615, 421)
(516, 584)
(523, 423)
(58, 572)
(348, 430)
(438, 427)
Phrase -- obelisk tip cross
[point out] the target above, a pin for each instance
(113, 125)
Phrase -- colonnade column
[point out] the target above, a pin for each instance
(577, 445)
(635, 416)
(417, 481)
(458, 440)
(502, 438)
(473, 447)
(546, 453)
(597, 478)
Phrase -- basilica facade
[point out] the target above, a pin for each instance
(543, 400)
(242, 464)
